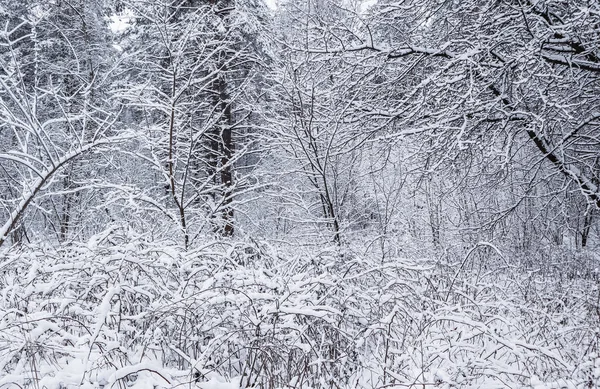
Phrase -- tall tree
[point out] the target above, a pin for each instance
(506, 83)
(194, 62)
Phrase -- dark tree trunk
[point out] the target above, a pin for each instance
(587, 226)
(226, 159)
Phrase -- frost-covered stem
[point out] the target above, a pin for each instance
(178, 203)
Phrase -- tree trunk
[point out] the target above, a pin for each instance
(587, 226)
(226, 159)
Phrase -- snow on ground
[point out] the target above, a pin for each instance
(236, 315)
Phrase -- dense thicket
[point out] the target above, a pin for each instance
(123, 312)
(216, 190)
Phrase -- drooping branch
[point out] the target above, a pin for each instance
(587, 187)
(44, 177)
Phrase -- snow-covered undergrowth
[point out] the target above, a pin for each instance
(237, 315)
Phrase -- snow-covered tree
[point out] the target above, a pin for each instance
(194, 65)
(54, 78)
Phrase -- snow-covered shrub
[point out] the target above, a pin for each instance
(129, 313)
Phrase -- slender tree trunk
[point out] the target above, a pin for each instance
(226, 159)
(223, 145)
(587, 226)
(171, 169)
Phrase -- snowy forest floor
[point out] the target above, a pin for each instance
(124, 313)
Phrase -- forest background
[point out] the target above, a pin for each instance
(309, 194)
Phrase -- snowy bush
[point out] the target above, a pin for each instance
(237, 314)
